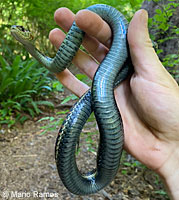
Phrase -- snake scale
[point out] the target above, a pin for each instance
(114, 68)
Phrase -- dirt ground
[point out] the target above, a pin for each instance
(28, 169)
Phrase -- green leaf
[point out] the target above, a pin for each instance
(3, 62)
(44, 119)
(71, 97)
(124, 172)
(37, 110)
(46, 103)
(31, 112)
(158, 11)
(15, 66)
(62, 112)
(21, 96)
(177, 31)
(23, 119)
(127, 164)
(161, 192)
(57, 85)
(82, 77)
(5, 84)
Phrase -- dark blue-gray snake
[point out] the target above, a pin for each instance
(114, 68)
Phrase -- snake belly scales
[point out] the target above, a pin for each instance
(114, 68)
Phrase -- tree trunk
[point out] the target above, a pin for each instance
(170, 46)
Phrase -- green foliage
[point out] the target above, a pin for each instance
(53, 123)
(166, 30)
(135, 4)
(38, 15)
(162, 18)
(161, 192)
(90, 142)
(57, 86)
(23, 85)
(69, 98)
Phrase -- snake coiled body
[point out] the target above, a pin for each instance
(100, 99)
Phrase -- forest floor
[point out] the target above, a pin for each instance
(28, 169)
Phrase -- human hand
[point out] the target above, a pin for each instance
(148, 101)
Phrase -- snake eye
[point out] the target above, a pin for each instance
(21, 28)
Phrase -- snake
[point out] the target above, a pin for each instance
(115, 67)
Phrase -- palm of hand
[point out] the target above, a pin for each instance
(150, 122)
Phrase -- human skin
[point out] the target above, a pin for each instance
(148, 100)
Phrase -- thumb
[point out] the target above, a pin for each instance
(145, 60)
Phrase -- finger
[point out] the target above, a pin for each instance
(144, 58)
(82, 60)
(72, 83)
(94, 26)
(64, 18)
(140, 43)
(85, 20)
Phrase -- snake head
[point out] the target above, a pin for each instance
(21, 34)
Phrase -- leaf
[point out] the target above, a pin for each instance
(62, 112)
(82, 77)
(161, 192)
(46, 103)
(21, 96)
(37, 110)
(15, 66)
(132, 2)
(71, 97)
(31, 112)
(3, 62)
(23, 119)
(57, 85)
(5, 84)
(158, 11)
(17, 106)
(43, 132)
(176, 31)
(47, 88)
(46, 118)
(124, 172)
(128, 164)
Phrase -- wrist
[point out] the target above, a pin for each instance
(172, 185)
(170, 174)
